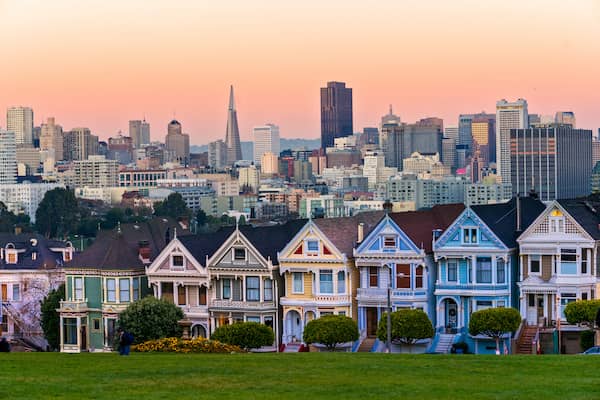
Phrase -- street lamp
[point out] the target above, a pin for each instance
(389, 312)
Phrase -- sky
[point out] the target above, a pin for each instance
(101, 63)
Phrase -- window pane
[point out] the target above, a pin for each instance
(312, 246)
(178, 261)
(403, 276)
(16, 293)
(501, 272)
(78, 288)
(239, 254)
(484, 270)
(326, 281)
(268, 295)
(253, 288)
(341, 276)
(373, 276)
(70, 330)
(452, 271)
(111, 290)
(226, 288)
(124, 290)
(419, 277)
(181, 300)
(298, 283)
(136, 289)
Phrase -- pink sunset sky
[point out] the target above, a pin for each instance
(101, 63)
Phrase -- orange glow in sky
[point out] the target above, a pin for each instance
(101, 63)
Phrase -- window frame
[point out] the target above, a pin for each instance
(403, 277)
(127, 290)
(455, 268)
(479, 271)
(373, 275)
(296, 275)
(326, 273)
(341, 283)
(469, 238)
(76, 297)
(500, 262)
(226, 284)
(177, 266)
(253, 291)
(16, 288)
(236, 255)
(113, 290)
(309, 250)
(267, 288)
(389, 241)
(530, 260)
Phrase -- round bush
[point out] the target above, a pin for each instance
(247, 335)
(151, 318)
(331, 330)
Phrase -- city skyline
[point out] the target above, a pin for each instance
(124, 69)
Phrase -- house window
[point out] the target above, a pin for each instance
(326, 281)
(500, 303)
(568, 261)
(389, 241)
(469, 235)
(452, 271)
(4, 323)
(124, 290)
(96, 324)
(483, 270)
(70, 330)
(177, 261)
(419, 277)
(373, 276)
(226, 289)
(268, 290)
(500, 271)
(312, 246)
(556, 222)
(202, 301)
(11, 257)
(566, 298)
(584, 254)
(16, 294)
(78, 283)
(111, 290)
(403, 276)
(342, 313)
(253, 318)
(136, 289)
(534, 264)
(239, 254)
(298, 282)
(482, 305)
(253, 288)
(181, 300)
(341, 282)
(269, 322)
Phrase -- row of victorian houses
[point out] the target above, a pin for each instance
(448, 261)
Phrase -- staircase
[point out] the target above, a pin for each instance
(526, 340)
(292, 347)
(444, 343)
(366, 345)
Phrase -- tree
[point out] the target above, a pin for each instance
(247, 335)
(151, 318)
(408, 326)
(50, 319)
(494, 322)
(58, 213)
(173, 206)
(331, 330)
(583, 312)
(10, 220)
(113, 217)
(201, 217)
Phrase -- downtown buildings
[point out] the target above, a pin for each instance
(336, 113)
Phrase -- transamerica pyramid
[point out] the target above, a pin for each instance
(232, 136)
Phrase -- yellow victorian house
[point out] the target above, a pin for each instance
(319, 272)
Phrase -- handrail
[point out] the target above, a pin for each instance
(517, 339)
(535, 343)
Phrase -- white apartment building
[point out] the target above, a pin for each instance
(20, 121)
(508, 116)
(96, 172)
(217, 154)
(25, 197)
(375, 170)
(8, 157)
(266, 139)
(249, 177)
(418, 163)
(487, 193)
(269, 163)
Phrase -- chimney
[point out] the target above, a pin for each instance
(18, 230)
(388, 206)
(361, 232)
(518, 201)
(436, 234)
(144, 251)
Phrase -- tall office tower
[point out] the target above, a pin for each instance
(465, 137)
(399, 142)
(96, 172)
(178, 142)
(135, 132)
(449, 152)
(79, 144)
(232, 135)
(390, 118)
(451, 132)
(508, 116)
(565, 117)
(555, 161)
(20, 121)
(431, 122)
(336, 113)
(266, 139)
(8, 157)
(51, 139)
(595, 150)
(217, 154)
(269, 164)
(483, 132)
(145, 127)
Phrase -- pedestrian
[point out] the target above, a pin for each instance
(4, 346)
(125, 341)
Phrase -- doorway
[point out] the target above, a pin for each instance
(451, 315)
(371, 321)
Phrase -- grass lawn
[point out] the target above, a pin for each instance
(305, 376)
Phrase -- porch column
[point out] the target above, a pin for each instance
(79, 332)
(62, 339)
(473, 270)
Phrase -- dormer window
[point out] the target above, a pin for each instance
(556, 222)
(67, 255)
(11, 257)
(389, 242)
(239, 254)
(312, 246)
(469, 235)
(177, 261)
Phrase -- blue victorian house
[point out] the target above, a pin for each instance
(477, 268)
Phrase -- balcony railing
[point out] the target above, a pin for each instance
(74, 305)
(256, 305)
(332, 298)
(379, 293)
(471, 286)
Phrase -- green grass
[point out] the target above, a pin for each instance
(305, 376)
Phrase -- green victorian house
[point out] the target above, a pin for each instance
(104, 279)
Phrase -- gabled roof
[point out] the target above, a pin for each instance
(29, 243)
(501, 218)
(585, 214)
(419, 225)
(204, 245)
(343, 231)
(118, 249)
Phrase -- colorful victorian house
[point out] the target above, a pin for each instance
(318, 269)
(30, 266)
(557, 265)
(397, 254)
(104, 279)
(244, 276)
(477, 263)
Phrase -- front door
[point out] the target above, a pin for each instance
(451, 314)
(4, 292)
(371, 321)
(83, 346)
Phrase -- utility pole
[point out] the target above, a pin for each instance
(389, 313)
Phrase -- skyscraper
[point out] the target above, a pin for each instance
(8, 157)
(565, 117)
(51, 138)
(232, 135)
(178, 142)
(336, 112)
(400, 141)
(79, 144)
(139, 131)
(20, 121)
(555, 161)
(145, 136)
(483, 133)
(508, 116)
(217, 154)
(266, 139)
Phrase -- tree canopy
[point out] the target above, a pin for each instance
(583, 312)
(331, 330)
(494, 322)
(247, 335)
(173, 206)
(151, 318)
(50, 319)
(58, 213)
(10, 220)
(408, 326)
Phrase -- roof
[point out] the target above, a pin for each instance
(29, 243)
(419, 225)
(343, 231)
(586, 215)
(204, 245)
(501, 218)
(118, 249)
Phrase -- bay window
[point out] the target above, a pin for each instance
(252, 288)
(483, 270)
(326, 281)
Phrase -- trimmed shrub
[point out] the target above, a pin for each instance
(587, 339)
(151, 318)
(494, 322)
(247, 335)
(408, 326)
(177, 345)
(331, 330)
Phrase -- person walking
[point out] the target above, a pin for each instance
(4, 346)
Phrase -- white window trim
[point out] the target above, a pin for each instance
(116, 290)
(74, 290)
(462, 235)
(176, 267)
(234, 260)
(333, 282)
(529, 273)
(448, 272)
(311, 252)
(301, 280)
(383, 238)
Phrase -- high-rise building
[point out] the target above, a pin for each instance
(96, 172)
(178, 142)
(451, 132)
(508, 116)
(8, 157)
(232, 135)
(145, 127)
(483, 133)
(51, 139)
(139, 132)
(464, 130)
(390, 118)
(555, 161)
(449, 152)
(565, 117)
(79, 144)
(249, 179)
(266, 139)
(217, 154)
(20, 121)
(336, 113)
(595, 150)
(269, 164)
(400, 141)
